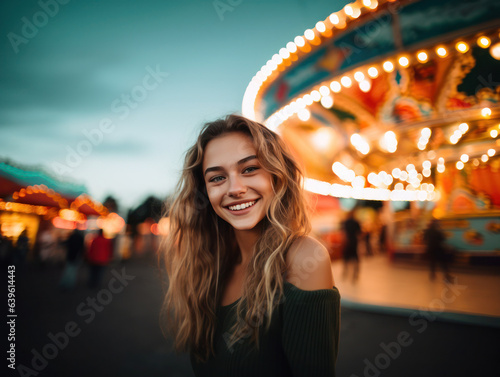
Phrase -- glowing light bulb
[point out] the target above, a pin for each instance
(324, 90)
(309, 34)
(493, 133)
(334, 19)
(388, 66)
(486, 112)
(320, 26)
(284, 53)
(346, 81)
(463, 127)
(316, 96)
(335, 86)
(359, 76)
(483, 42)
(491, 152)
(441, 51)
(403, 61)
(299, 41)
(422, 56)
(327, 102)
(495, 51)
(464, 158)
(365, 86)
(291, 47)
(304, 115)
(462, 47)
(373, 72)
(460, 165)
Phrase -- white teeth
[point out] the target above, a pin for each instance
(239, 207)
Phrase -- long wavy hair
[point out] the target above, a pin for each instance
(201, 247)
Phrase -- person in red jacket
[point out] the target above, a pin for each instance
(98, 257)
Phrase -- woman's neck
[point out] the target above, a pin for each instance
(246, 240)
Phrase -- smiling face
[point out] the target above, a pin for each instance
(238, 187)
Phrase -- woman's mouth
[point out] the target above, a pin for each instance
(242, 206)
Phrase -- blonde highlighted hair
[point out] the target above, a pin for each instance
(201, 247)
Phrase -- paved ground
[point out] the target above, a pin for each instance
(121, 337)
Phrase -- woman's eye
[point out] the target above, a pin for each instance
(250, 169)
(216, 179)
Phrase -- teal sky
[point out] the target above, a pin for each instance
(88, 65)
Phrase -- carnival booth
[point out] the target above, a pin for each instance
(396, 101)
(46, 209)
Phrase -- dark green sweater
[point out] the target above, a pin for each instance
(302, 340)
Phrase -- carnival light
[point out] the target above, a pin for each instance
(373, 72)
(463, 127)
(359, 76)
(346, 81)
(483, 42)
(464, 158)
(441, 51)
(360, 143)
(324, 90)
(365, 86)
(315, 95)
(334, 19)
(486, 112)
(403, 61)
(493, 133)
(396, 172)
(335, 86)
(327, 102)
(484, 158)
(388, 66)
(284, 53)
(299, 41)
(291, 47)
(320, 26)
(460, 165)
(309, 34)
(343, 172)
(462, 47)
(304, 115)
(389, 142)
(495, 51)
(348, 10)
(491, 152)
(422, 56)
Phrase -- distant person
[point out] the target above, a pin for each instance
(74, 251)
(48, 244)
(367, 238)
(98, 257)
(352, 230)
(382, 239)
(21, 249)
(434, 244)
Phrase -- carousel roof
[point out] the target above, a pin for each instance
(381, 93)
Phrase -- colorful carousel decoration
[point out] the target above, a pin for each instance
(396, 101)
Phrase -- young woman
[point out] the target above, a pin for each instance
(250, 293)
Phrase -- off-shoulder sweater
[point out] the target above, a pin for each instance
(301, 341)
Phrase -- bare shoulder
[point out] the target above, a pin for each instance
(308, 265)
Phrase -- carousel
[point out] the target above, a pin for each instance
(395, 102)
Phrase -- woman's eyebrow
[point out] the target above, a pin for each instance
(242, 161)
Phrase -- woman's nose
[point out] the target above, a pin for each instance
(236, 187)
